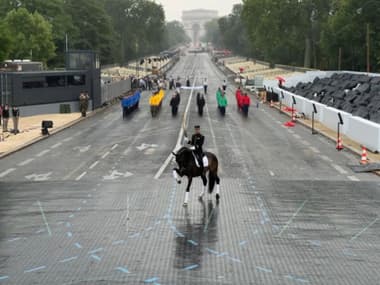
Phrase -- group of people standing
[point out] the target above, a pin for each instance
(5, 114)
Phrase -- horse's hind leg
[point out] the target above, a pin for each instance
(187, 192)
(217, 188)
(204, 180)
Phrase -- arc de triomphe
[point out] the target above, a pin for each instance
(194, 21)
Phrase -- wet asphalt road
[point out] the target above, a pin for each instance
(83, 207)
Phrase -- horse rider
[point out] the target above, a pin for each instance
(197, 141)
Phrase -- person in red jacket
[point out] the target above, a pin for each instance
(246, 102)
(239, 96)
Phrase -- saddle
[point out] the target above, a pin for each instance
(204, 159)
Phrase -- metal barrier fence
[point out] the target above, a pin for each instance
(113, 90)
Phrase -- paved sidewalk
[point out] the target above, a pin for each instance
(30, 130)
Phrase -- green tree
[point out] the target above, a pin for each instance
(175, 34)
(6, 43)
(31, 35)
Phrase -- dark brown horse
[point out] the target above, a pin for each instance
(188, 167)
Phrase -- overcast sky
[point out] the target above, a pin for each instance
(174, 8)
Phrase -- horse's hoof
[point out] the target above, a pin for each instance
(179, 181)
(217, 197)
(185, 205)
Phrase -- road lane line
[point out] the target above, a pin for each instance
(363, 230)
(56, 145)
(44, 218)
(271, 173)
(68, 139)
(292, 218)
(181, 132)
(42, 153)
(114, 147)
(298, 137)
(25, 162)
(326, 158)
(353, 178)
(105, 155)
(94, 164)
(315, 150)
(339, 169)
(68, 259)
(34, 269)
(81, 176)
(6, 172)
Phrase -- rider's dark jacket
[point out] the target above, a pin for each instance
(197, 141)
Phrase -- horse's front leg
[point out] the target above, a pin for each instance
(177, 175)
(187, 192)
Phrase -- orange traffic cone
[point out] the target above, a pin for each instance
(271, 104)
(339, 145)
(364, 159)
(294, 116)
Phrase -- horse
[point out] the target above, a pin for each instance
(188, 167)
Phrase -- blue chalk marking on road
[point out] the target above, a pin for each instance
(151, 280)
(212, 251)
(235, 260)
(301, 280)
(135, 235)
(35, 269)
(157, 223)
(191, 267)
(315, 242)
(192, 242)
(69, 234)
(78, 245)
(264, 269)
(14, 239)
(84, 202)
(118, 242)
(68, 259)
(40, 231)
(348, 252)
(95, 250)
(122, 269)
(89, 195)
(149, 229)
(97, 258)
(79, 209)
(4, 277)
(243, 243)
(223, 254)
(68, 225)
(71, 216)
(179, 234)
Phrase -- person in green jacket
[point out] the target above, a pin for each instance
(222, 102)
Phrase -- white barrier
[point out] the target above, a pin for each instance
(365, 132)
(331, 119)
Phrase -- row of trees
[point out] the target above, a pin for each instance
(326, 34)
(119, 30)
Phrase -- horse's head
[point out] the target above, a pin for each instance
(182, 156)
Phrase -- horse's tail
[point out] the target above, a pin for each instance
(211, 181)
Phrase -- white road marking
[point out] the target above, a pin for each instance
(313, 149)
(56, 145)
(326, 158)
(292, 218)
(181, 132)
(353, 178)
(339, 169)
(363, 230)
(114, 147)
(39, 177)
(68, 139)
(291, 131)
(44, 218)
(116, 175)
(271, 173)
(42, 153)
(25, 162)
(94, 164)
(6, 172)
(105, 155)
(278, 122)
(305, 143)
(81, 176)
(298, 137)
(83, 149)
